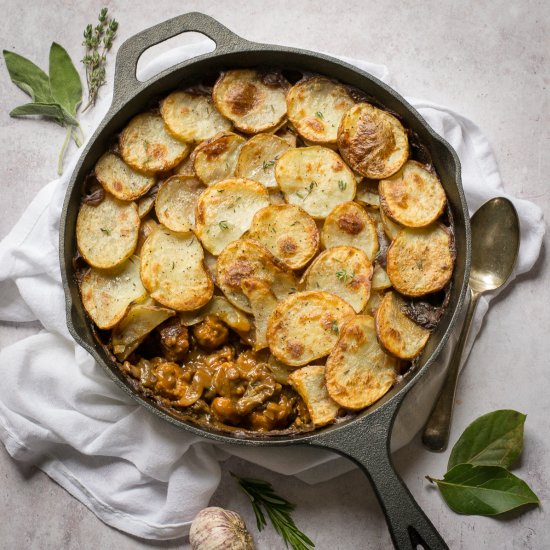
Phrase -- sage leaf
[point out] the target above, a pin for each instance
(48, 110)
(65, 84)
(27, 76)
(494, 439)
(483, 490)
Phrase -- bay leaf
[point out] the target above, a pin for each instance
(65, 84)
(29, 77)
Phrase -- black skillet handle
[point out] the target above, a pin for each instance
(367, 443)
(126, 83)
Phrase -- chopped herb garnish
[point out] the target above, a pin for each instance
(334, 327)
(345, 276)
(223, 225)
(267, 164)
(320, 115)
(106, 231)
(342, 185)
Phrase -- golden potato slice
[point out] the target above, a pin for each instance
(414, 197)
(287, 133)
(173, 272)
(288, 232)
(145, 229)
(176, 201)
(349, 224)
(305, 326)
(398, 334)
(367, 193)
(145, 205)
(119, 179)
(375, 299)
(106, 296)
(380, 279)
(391, 227)
(316, 179)
(262, 302)
(248, 259)
(146, 146)
(107, 234)
(216, 159)
(225, 211)
(344, 271)
(253, 100)
(309, 382)
(185, 168)
(258, 156)
(316, 107)
(358, 372)
(373, 142)
(192, 117)
(420, 261)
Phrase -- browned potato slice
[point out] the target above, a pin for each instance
(420, 261)
(185, 168)
(225, 211)
(145, 229)
(287, 133)
(391, 227)
(192, 117)
(258, 156)
(316, 107)
(248, 259)
(216, 159)
(107, 234)
(315, 178)
(262, 302)
(372, 142)
(305, 326)
(380, 279)
(349, 224)
(288, 232)
(398, 334)
(367, 193)
(106, 296)
(176, 201)
(254, 101)
(344, 271)
(220, 307)
(173, 272)
(145, 205)
(146, 145)
(309, 382)
(413, 197)
(375, 299)
(358, 372)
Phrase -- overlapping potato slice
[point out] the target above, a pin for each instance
(220, 307)
(315, 178)
(280, 371)
(288, 232)
(173, 272)
(316, 107)
(145, 205)
(380, 279)
(216, 159)
(305, 326)
(145, 229)
(186, 168)
(398, 334)
(373, 142)
(375, 299)
(413, 196)
(287, 133)
(367, 193)
(106, 295)
(258, 156)
(253, 100)
(176, 201)
(358, 372)
(262, 302)
(225, 211)
(248, 259)
(349, 224)
(391, 227)
(344, 271)
(146, 146)
(309, 382)
(107, 234)
(420, 261)
(192, 117)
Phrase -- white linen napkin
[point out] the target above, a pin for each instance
(136, 472)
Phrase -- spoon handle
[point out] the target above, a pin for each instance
(438, 426)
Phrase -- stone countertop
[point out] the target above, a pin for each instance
(489, 61)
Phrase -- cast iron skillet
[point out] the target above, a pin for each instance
(365, 438)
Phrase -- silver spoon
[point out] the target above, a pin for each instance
(495, 245)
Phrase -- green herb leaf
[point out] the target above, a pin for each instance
(223, 225)
(345, 276)
(30, 78)
(65, 84)
(320, 115)
(342, 185)
(106, 231)
(494, 439)
(48, 110)
(334, 327)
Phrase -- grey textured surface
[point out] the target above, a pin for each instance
(487, 61)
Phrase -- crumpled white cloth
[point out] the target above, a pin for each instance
(137, 473)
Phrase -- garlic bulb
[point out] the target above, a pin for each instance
(218, 529)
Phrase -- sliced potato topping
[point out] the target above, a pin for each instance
(288, 232)
(287, 133)
(358, 372)
(106, 296)
(315, 178)
(420, 261)
(305, 326)
(349, 224)
(145, 229)
(280, 371)
(398, 334)
(147, 147)
(173, 272)
(309, 382)
(225, 211)
(391, 227)
(253, 100)
(220, 307)
(367, 193)
(185, 168)
(380, 279)
(316, 107)
(375, 299)
(373, 142)
(262, 302)
(145, 205)
(107, 234)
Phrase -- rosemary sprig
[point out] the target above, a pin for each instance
(345, 276)
(263, 498)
